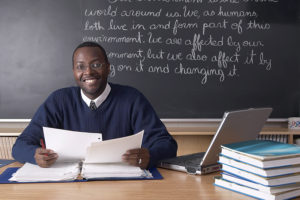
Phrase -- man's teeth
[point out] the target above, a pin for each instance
(90, 81)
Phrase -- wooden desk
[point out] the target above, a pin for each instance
(175, 185)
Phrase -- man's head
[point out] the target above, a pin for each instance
(90, 68)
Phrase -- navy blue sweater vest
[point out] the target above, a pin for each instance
(125, 112)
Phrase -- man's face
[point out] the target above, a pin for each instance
(90, 71)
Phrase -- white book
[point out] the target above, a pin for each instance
(273, 181)
(269, 172)
(263, 154)
(260, 187)
(253, 192)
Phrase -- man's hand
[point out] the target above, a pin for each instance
(45, 157)
(137, 157)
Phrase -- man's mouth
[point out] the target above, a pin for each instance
(90, 80)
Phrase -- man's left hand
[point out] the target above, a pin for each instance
(137, 157)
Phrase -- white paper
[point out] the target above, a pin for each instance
(70, 146)
(57, 172)
(111, 151)
(112, 170)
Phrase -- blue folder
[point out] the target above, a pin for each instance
(7, 174)
(5, 162)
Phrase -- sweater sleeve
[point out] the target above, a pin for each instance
(26, 144)
(157, 140)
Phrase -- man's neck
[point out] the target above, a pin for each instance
(98, 100)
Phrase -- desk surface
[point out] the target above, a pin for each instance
(175, 185)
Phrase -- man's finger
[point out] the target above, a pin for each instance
(44, 151)
(133, 151)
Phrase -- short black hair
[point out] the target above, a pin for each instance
(91, 44)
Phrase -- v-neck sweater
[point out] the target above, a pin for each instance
(125, 111)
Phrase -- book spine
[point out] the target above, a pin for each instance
(242, 189)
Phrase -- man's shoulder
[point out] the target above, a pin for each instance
(124, 89)
(65, 92)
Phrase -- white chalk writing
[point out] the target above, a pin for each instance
(209, 39)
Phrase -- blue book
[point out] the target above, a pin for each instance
(252, 192)
(263, 153)
(267, 181)
(252, 184)
(269, 172)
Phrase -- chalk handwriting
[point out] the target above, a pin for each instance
(209, 39)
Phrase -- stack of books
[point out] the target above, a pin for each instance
(261, 169)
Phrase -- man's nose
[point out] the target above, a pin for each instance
(88, 70)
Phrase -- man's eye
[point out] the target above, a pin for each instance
(96, 65)
(80, 67)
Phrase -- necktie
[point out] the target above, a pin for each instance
(93, 105)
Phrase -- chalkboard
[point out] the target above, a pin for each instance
(190, 58)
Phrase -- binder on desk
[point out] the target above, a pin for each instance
(85, 162)
(7, 174)
(4, 162)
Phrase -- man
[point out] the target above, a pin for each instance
(100, 107)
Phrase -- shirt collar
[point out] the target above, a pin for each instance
(99, 100)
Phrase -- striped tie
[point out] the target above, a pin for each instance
(93, 105)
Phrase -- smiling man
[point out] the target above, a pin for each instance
(90, 69)
(96, 106)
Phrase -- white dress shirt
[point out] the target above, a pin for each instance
(99, 100)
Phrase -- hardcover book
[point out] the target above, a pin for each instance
(263, 153)
(254, 192)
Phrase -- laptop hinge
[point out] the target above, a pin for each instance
(203, 169)
(191, 169)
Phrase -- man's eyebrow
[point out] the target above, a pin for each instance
(95, 59)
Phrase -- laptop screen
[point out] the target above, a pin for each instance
(236, 126)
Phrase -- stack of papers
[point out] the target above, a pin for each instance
(57, 172)
(108, 170)
(99, 159)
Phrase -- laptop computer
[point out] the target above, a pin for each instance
(236, 126)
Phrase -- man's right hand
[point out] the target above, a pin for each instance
(45, 157)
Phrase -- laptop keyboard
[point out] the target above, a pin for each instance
(187, 160)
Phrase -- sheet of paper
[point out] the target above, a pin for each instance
(57, 172)
(111, 151)
(71, 146)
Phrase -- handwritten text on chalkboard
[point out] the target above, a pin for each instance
(184, 41)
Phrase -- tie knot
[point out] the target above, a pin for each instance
(93, 105)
